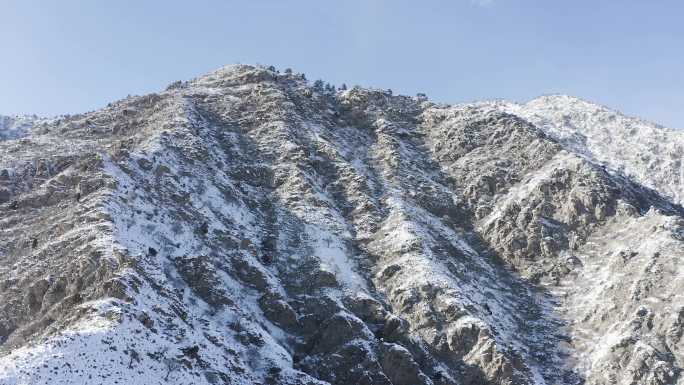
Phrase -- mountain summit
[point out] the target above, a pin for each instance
(248, 227)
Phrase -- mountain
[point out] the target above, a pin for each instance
(15, 127)
(247, 227)
(648, 153)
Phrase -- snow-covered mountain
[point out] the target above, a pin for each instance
(247, 227)
(15, 127)
(649, 153)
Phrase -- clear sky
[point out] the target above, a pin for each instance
(68, 56)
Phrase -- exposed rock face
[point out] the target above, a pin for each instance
(247, 228)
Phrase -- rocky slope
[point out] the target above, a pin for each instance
(649, 153)
(246, 227)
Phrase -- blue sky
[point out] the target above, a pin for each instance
(72, 56)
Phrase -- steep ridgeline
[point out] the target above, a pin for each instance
(247, 228)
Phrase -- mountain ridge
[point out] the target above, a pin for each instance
(248, 227)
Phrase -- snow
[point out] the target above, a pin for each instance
(407, 233)
(16, 127)
(594, 296)
(335, 258)
(647, 152)
(164, 205)
(528, 183)
(643, 151)
(99, 348)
